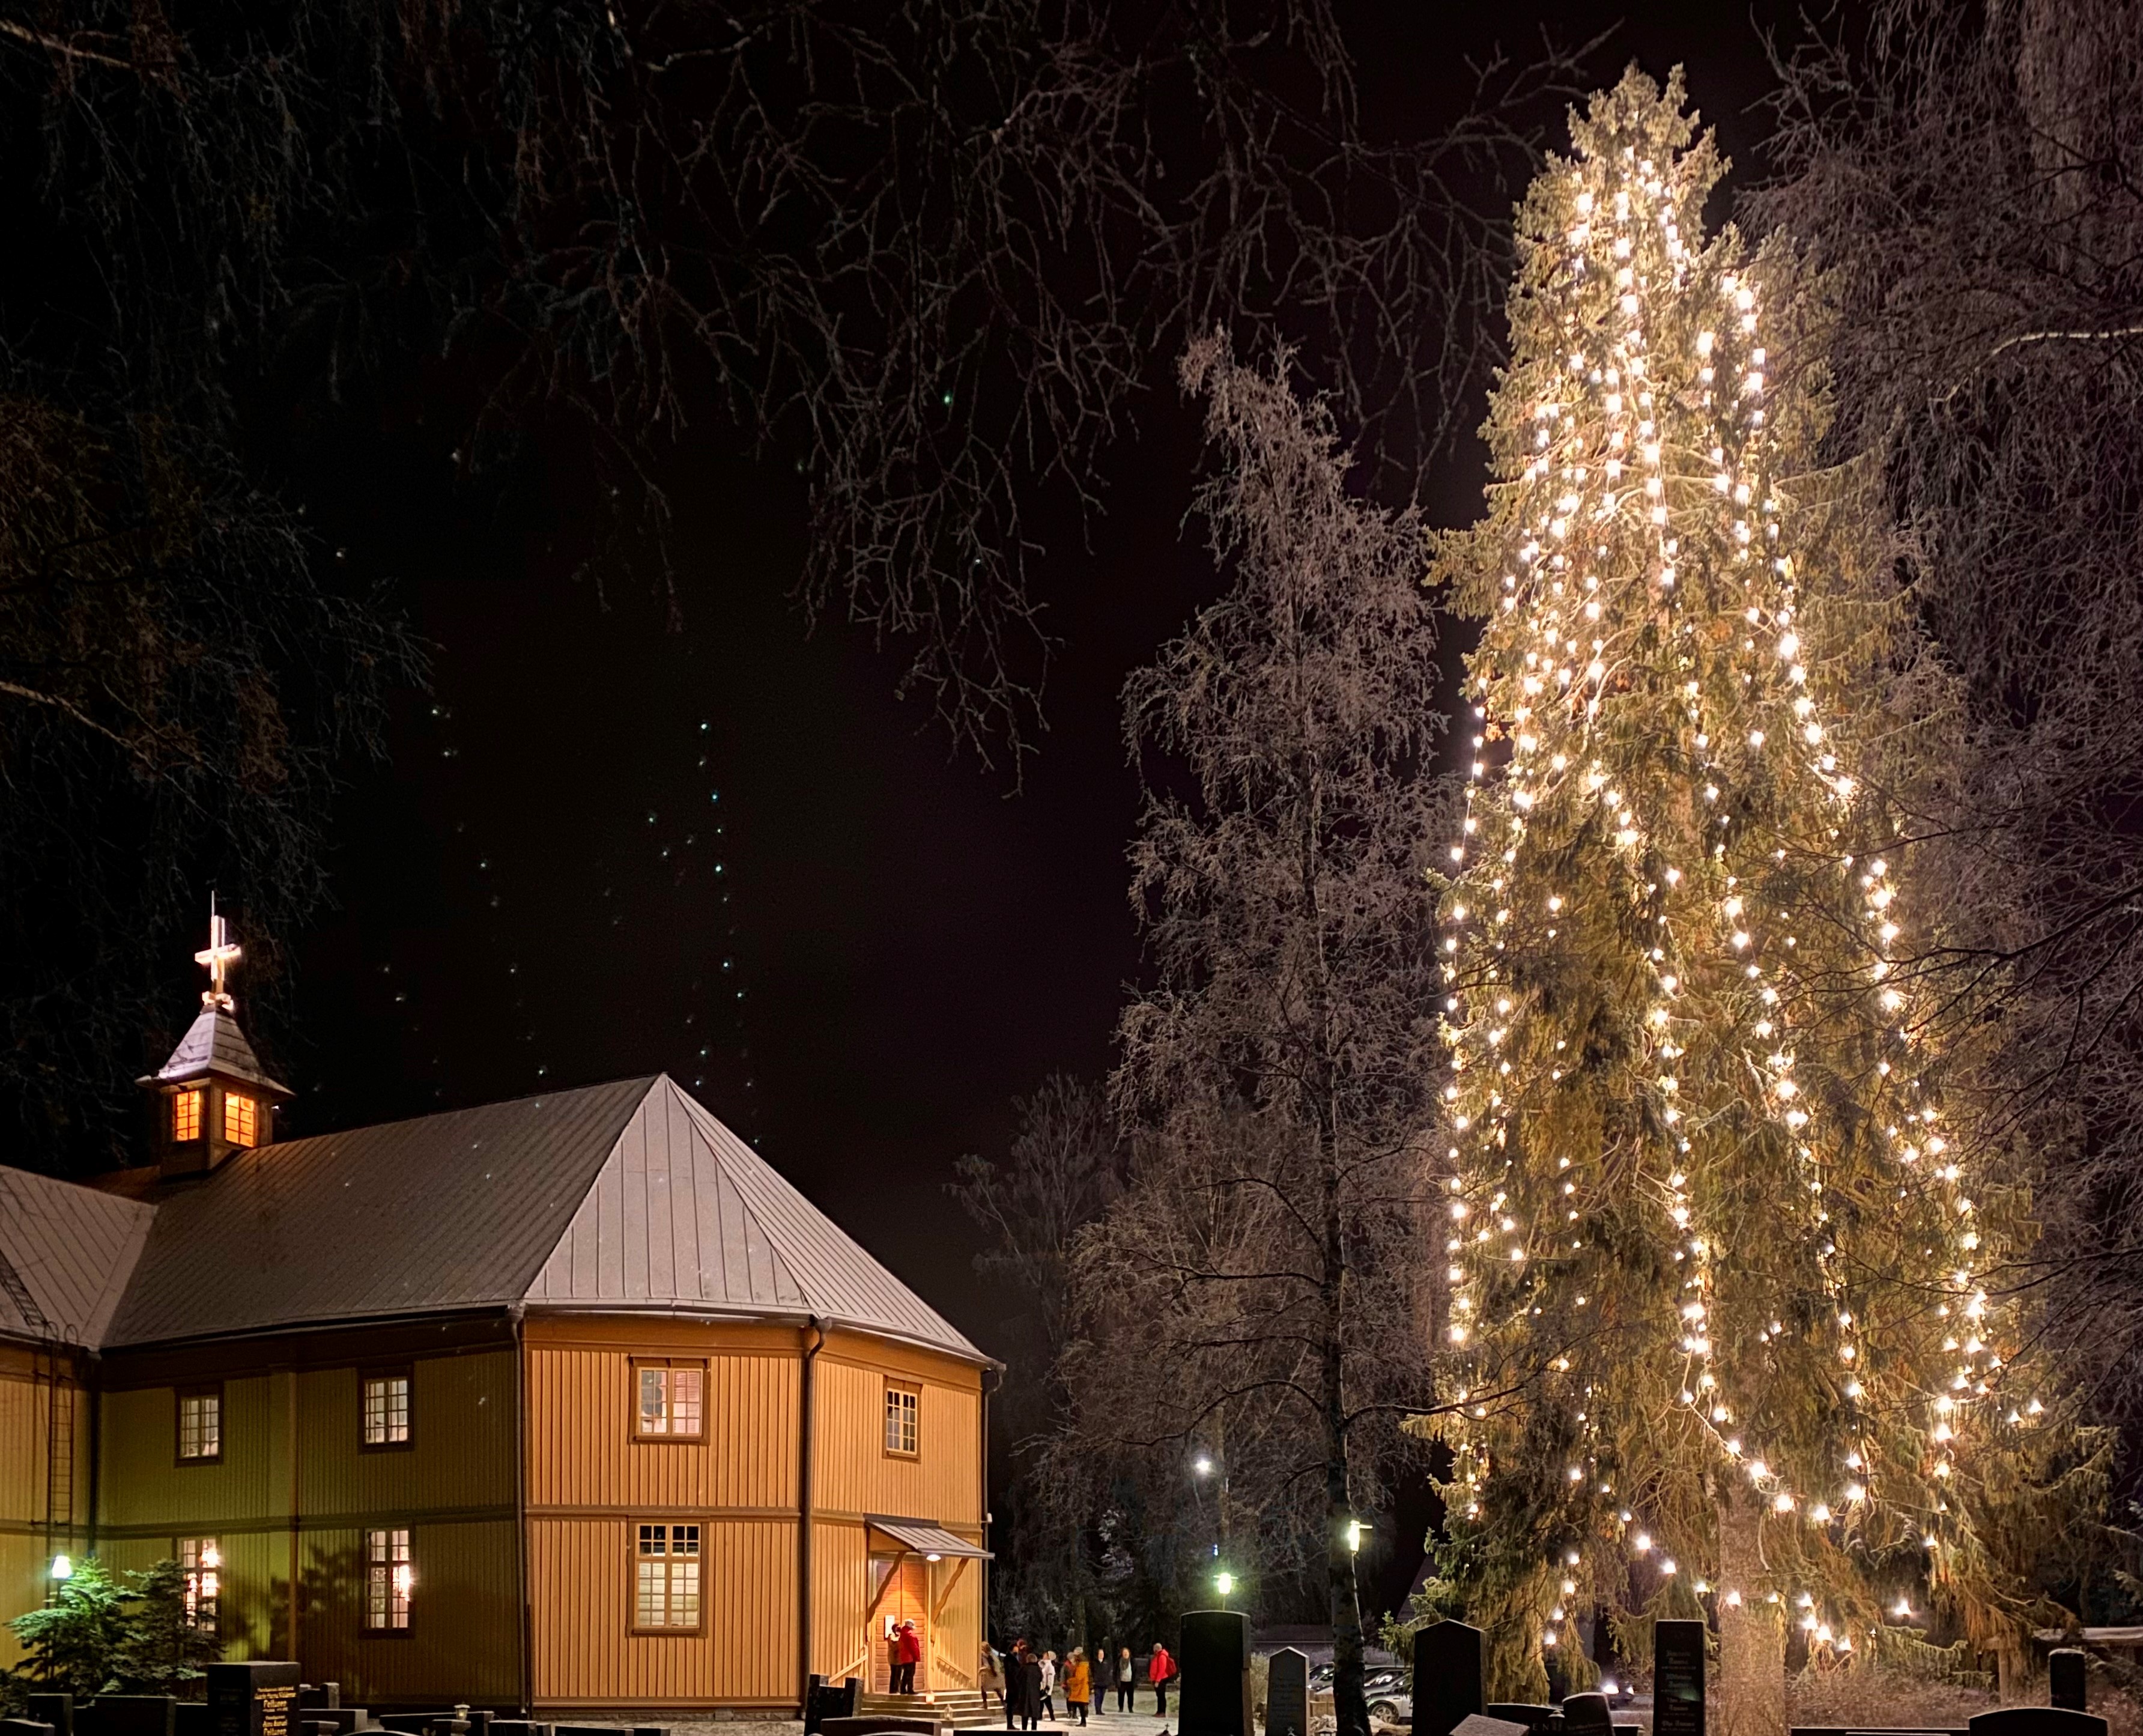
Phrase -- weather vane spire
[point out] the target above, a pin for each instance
(220, 955)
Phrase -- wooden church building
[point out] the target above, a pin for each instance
(569, 1402)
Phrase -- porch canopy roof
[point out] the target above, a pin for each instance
(923, 1538)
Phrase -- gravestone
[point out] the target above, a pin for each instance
(259, 1698)
(56, 1709)
(1287, 1693)
(1479, 1723)
(2065, 1678)
(2037, 1721)
(1447, 1677)
(1585, 1713)
(128, 1714)
(826, 1699)
(1215, 1690)
(1677, 1678)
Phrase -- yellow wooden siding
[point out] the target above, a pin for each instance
(853, 1472)
(462, 1440)
(144, 1483)
(23, 1565)
(463, 1640)
(586, 1655)
(29, 1535)
(956, 1632)
(25, 1415)
(253, 1587)
(838, 1589)
(582, 1454)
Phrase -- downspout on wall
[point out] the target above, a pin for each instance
(992, 1378)
(817, 1328)
(520, 1508)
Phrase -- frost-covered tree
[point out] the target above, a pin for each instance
(1719, 1255)
(1260, 1273)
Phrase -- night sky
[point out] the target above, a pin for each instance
(608, 843)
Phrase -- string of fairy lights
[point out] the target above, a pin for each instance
(1643, 515)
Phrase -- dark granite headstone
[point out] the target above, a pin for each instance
(2065, 1678)
(1677, 1678)
(56, 1709)
(1287, 1693)
(1447, 1677)
(1587, 1711)
(342, 1718)
(828, 1700)
(1215, 1690)
(259, 1698)
(2037, 1721)
(127, 1715)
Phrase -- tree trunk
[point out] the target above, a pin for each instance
(1749, 1693)
(1350, 1706)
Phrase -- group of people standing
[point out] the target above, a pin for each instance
(1026, 1682)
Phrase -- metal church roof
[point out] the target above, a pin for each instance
(66, 1252)
(628, 1195)
(215, 1043)
(684, 1215)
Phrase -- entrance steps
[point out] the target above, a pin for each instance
(962, 1708)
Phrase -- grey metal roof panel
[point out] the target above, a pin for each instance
(216, 1043)
(450, 1211)
(685, 1214)
(66, 1252)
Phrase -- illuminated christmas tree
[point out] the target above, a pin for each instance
(1720, 1263)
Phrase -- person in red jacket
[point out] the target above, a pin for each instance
(1160, 1671)
(907, 1653)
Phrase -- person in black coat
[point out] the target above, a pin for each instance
(1023, 1685)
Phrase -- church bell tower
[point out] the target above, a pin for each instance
(212, 1100)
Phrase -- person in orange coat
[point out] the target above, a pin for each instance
(1078, 1684)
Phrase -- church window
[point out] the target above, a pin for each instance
(239, 1126)
(668, 1400)
(665, 1585)
(201, 1425)
(903, 1406)
(186, 1116)
(200, 1562)
(387, 1409)
(388, 1577)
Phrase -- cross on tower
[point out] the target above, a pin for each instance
(219, 956)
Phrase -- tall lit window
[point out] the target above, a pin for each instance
(186, 1116)
(386, 1410)
(200, 1424)
(388, 1577)
(665, 1585)
(240, 1125)
(201, 1562)
(668, 1405)
(903, 1407)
